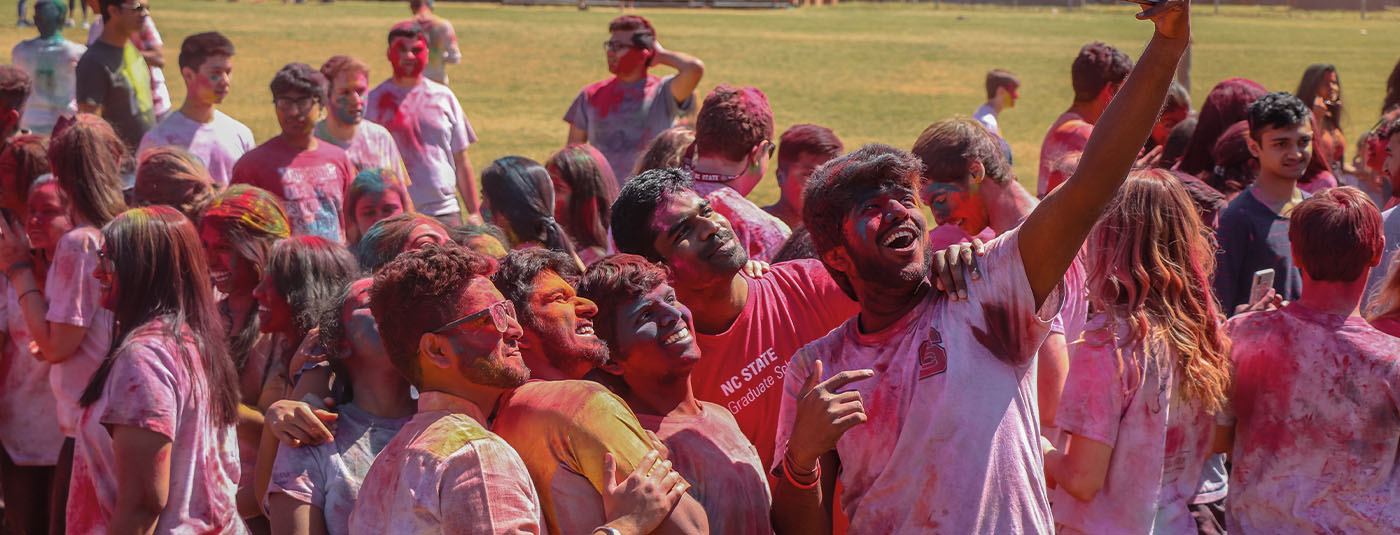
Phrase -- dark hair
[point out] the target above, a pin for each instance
(387, 238)
(1097, 66)
(1392, 90)
(308, 271)
(86, 159)
(15, 87)
(301, 78)
(732, 121)
(665, 151)
(410, 29)
(1276, 110)
(636, 205)
(808, 139)
(798, 246)
(594, 189)
(516, 274)
(339, 65)
(1313, 79)
(947, 148)
(161, 275)
(463, 233)
(1335, 234)
(30, 153)
(331, 337)
(1209, 201)
(201, 46)
(374, 181)
(418, 292)
(251, 220)
(999, 78)
(1235, 167)
(1177, 140)
(613, 282)
(835, 186)
(102, 6)
(1227, 104)
(520, 189)
(171, 176)
(631, 23)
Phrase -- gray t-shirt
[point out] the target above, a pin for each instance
(328, 475)
(621, 118)
(118, 81)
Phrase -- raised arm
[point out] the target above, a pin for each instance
(1055, 230)
(689, 71)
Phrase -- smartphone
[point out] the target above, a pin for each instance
(1263, 280)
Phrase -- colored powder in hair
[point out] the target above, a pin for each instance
(253, 210)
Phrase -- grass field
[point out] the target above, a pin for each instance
(872, 72)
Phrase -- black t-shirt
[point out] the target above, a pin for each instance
(122, 91)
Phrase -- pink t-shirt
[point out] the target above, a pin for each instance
(1316, 408)
(1070, 133)
(74, 299)
(721, 466)
(1127, 395)
(444, 473)
(743, 367)
(758, 231)
(952, 443)
(28, 411)
(310, 182)
(151, 388)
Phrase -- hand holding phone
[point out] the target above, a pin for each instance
(1263, 281)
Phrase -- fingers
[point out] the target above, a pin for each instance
(674, 495)
(962, 258)
(812, 379)
(940, 266)
(848, 421)
(1158, 9)
(844, 378)
(610, 472)
(973, 265)
(648, 463)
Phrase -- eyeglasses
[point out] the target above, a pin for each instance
(617, 46)
(501, 313)
(294, 104)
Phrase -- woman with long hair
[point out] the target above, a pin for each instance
(321, 482)
(64, 320)
(238, 230)
(1149, 373)
(374, 195)
(1392, 90)
(518, 196)
(173, 177)
(1226, 104)
(667, 150)
(1235, 167)
(22, 161)
(584, 190)
(387, 239)
(29, 428)
(158, 416)
(1321, 90)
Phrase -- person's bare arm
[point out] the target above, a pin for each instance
(142, 460)
(1223, 441)
(823, 414)
(689, 71)
(1052, 369)
(466, 184)
(155, 57)
(1055, 230)
(577, 135)
(1081, 469)
(289, 516)
(799, 510)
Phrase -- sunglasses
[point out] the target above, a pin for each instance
(501, 313)
(616, 46)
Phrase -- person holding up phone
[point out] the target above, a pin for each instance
(621, 114)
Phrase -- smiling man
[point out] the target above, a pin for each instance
(206, 64)
(369, 145)
(309, 175)
(924, 406)
(1253, 231)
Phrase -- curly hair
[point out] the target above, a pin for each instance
(613, 282)
(636, 205)
(418, 292)
(732, 121)
(947, 147)
(1097, 66)
(835, 186)
(517, 272)
(1150, 264)
(1276, 110)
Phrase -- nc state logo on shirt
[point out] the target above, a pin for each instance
(933, 360)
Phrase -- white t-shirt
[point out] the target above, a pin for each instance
(429, 127)
(75, 299)
(986, 115)
(1127, 396)
(952, 443)
(29, 421)
(50, 63)
(219, 143)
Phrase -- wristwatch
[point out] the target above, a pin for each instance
(606, 530)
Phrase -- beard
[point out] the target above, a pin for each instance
(564, 350)
(493, 371)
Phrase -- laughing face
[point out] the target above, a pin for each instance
(486, 355)
(559, 325)
(695, 240)
(232, 274)
(953, 204)
(654, 335)
(886, 239)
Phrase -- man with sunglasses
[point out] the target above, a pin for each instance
(620, 115)
(308, 174)
(113, 78)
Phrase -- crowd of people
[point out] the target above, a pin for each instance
(1187, 328)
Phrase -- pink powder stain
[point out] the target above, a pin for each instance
(402, 123)
(606, 96)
